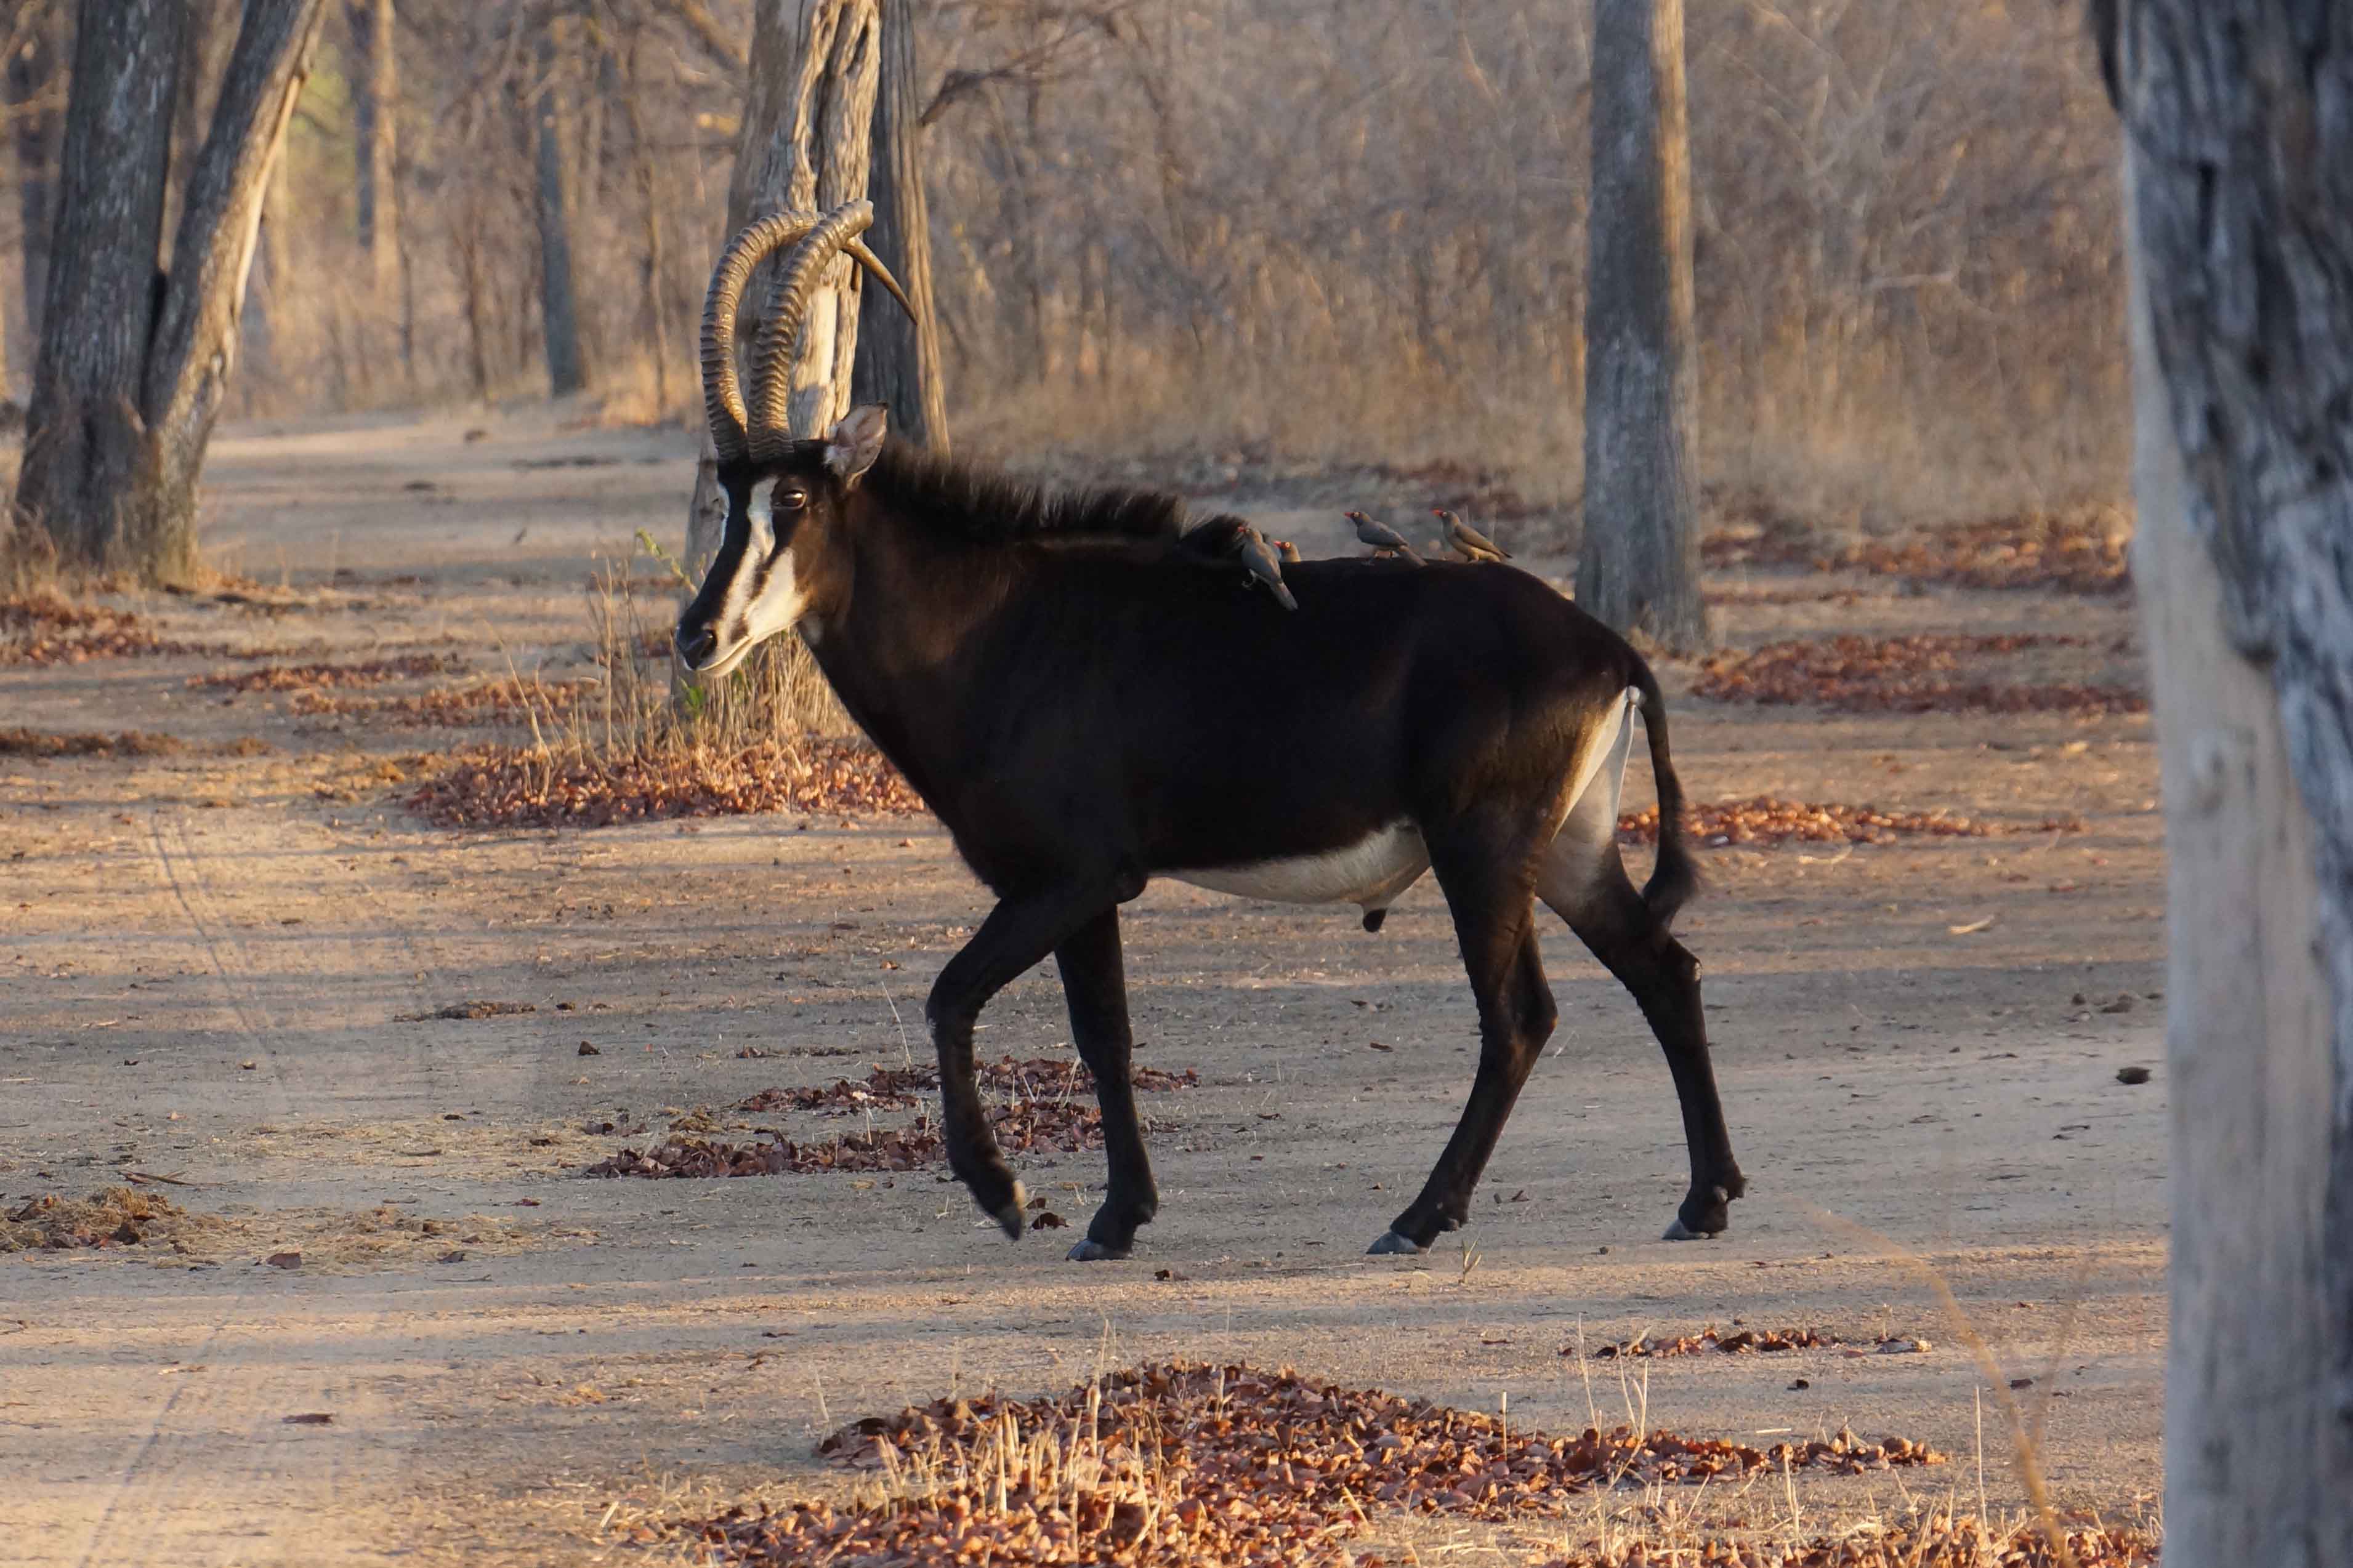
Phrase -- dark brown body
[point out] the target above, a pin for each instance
(1088, 700)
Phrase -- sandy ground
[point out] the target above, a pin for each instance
(205, 959)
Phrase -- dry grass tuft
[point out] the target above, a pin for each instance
(1186, 1465)
(1768, 819)
(1901, 675)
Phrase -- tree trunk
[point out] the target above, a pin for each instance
(2238, 173)
(807, 145)
(1638, 565)
(133, 364)
(375, 132)
(899, 360)
(559, 308)
(32, 77)
(657, 265)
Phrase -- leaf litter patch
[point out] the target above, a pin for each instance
(2079, 550)
(49, 629)
(539, 786)
(506, 700)
(1185, 1464)
(894, 1088)
(1768, 820)
(1737, 1340)
(147, 1226)
(301, 678)
(47, 744)
(1041, 1115)
(1920, 674)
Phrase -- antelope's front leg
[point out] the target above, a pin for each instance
(1017, 933)
(1095, 982)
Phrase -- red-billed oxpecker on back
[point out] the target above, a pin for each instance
(1089, 695)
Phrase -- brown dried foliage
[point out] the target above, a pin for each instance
(47, 628)
(507, 700)
(1735, 1341)
(1768, 819)
(1184, 1463)
(1023, 1125)
(537, 787)
(894, 1088)
(1921, 674)
(124, 743)
(2080, 550)
(1938, 1540)
(302, 677)
(112, 1216)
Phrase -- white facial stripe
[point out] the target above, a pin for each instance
(765, 596)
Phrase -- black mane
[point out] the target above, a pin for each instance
(989, 508)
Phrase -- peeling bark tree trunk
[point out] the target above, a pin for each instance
(899, 360)
(559, 307)
(32, 76)
(376, 103)
(807, 145)
(2239, 170)
(1639, 566)
(133, 364)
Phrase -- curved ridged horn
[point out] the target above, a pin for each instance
(723, 398)
(771, 360)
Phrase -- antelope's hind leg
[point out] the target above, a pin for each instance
(1094, 983)
(1583, 881)
(1485, 870)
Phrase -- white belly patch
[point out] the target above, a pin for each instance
(1372, 871)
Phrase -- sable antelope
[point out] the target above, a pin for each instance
(1055, 673)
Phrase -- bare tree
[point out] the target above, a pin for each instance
(1639, 566)
(898, 358)
(2239, 171)
(806, 144)
(133, 361)
(375, 138)
(559, 304)
(33, 82)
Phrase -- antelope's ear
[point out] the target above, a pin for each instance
(857, 441)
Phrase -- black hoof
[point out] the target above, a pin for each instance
(1008, 1214)
(1391, 1245)
(1087, 1250)
(1373, 919)
(1701, 1215)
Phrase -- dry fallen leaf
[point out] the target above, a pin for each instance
(1973, 927)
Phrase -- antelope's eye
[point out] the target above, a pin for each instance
(791, 500)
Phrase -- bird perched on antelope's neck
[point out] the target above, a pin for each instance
(1468, 541)
(1259, 558)
(1385, 540)
(1288, 551)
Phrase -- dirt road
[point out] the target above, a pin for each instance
(216, 967)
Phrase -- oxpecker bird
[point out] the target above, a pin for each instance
(1467, 541)
(1385, 540)
(1258, 557)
